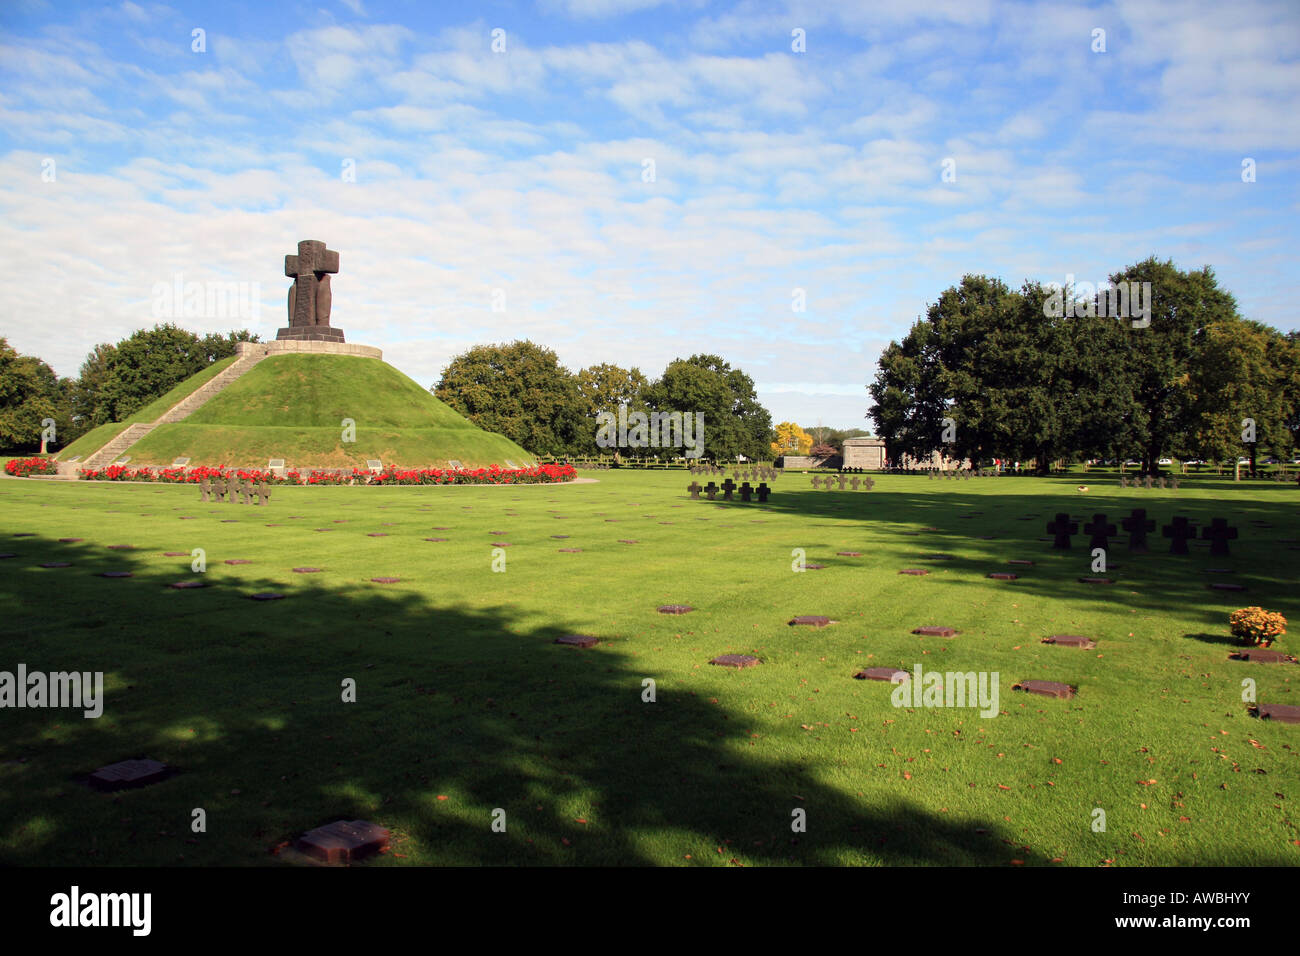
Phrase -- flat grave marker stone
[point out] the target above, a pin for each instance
(1071, 640)
(932, 630)
(345, 841)
(578, 640)
(128, 774)
(1046, 688)
(735, 660)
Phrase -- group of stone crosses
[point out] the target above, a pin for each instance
(728, 489)
(756, 473)
(1147, 482)
(1137, 524)
(828, 482)
(215, 489)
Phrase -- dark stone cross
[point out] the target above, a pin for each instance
(728, 487)
(1100, 532)
(854, 482)
(694, 489)
(1123, 481)
(1137, 525)
(1219, 534)
(245, 492)
(1146, 483)
(711, 490)
(232, 488)
(1062, 527)
(842, 480)
(746, 492)
(205, 489)
(763, 492)
(309, 296)
(1178, 532)
(868, 483)
(264, 493)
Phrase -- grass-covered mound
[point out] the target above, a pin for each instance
(95, 439)
(293, 406)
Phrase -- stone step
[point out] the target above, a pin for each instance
(178, 412)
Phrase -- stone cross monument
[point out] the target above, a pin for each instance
(309, 296)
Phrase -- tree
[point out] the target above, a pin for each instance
(518, 390)
(791, 440)
(29, 395)
(604, 388)
(1158, 358)
(734, 422)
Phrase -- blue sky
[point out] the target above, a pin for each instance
(128, 158)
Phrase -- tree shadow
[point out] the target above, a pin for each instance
(243, 699)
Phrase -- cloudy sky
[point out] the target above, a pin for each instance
(631, 181)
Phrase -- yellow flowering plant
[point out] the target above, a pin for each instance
(1257, 626)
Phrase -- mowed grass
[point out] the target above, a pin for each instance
(465, 705)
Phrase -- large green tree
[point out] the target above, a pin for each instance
(30, 394)
(734, 421)
(518, 390)
(604, 388)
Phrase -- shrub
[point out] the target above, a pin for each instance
(22, 467)
(1256, 625)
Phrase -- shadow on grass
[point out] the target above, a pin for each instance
(243, 698)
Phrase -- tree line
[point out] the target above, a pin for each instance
(520, 390)
(1049, 373)
(115, 381)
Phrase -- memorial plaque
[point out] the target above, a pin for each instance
(187, 585)
(1002, 576)
(675, 609)
(891, 674)
(810, 620)
(69, 540)
(577, 640)
(238, 561)
(116, 574)
(180, 462)
(737, 661)
(1023, 561)
(266, 596)
(1283, 713)
(935, 631)
(1045, 688)
(57, 564)
(176, 554)
(1096, 581)
(344, 842)
(569, 550)
(1071, 640)
(307, 570)
(849, 554)
(1262, 655)
(128, 774)
(1224, 586)
(918, 572)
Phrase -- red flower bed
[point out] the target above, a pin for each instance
(492, 475)
(22, 467)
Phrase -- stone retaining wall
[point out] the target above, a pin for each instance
(317, 348)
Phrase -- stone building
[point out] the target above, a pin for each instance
(864, 453)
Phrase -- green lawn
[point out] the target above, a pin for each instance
(464, 704)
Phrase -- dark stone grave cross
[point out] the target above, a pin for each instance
(728, 487)
(746, 492)
(711, 490)
(1062, 527)
(842, 480)
(1100, 532)
(816, 483)
(694, 489)
(868, 483)
(1219, 534)
(854, 482)
(264, 493)
(232, 488)
(245, 492)
(763, 492)
(1178, 532)
(205, 489)
(1137, 525)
